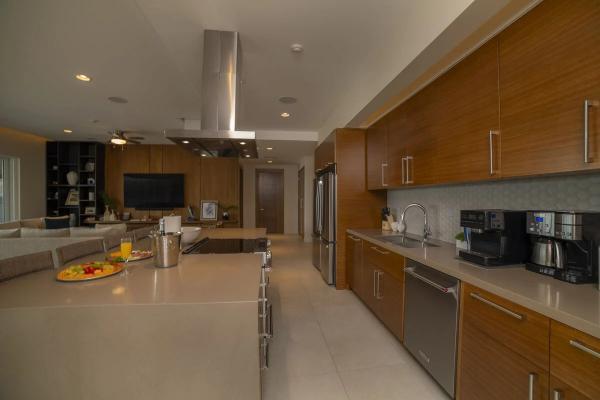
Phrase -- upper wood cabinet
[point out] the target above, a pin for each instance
(325, 153)
(377, 156)
(549, 66)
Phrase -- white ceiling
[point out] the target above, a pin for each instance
(150, 52)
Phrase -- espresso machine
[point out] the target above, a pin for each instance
(494, 237)
(564, 244)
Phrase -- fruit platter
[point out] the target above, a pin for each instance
(88, 271)
(136, 255)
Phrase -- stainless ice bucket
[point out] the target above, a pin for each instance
(165, 248)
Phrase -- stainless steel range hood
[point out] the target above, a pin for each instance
(221, 77)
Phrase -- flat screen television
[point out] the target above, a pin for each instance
(153, 191)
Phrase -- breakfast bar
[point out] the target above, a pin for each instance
(190, 331)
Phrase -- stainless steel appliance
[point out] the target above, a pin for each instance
(324, 223)
(265, 308)
(494, 237)
(564, 244)
(430, 321)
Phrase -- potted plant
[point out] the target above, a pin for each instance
(461, 242)
(225, 211)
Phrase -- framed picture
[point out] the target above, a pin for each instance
(209, 210)
(72, 198)
(90, 211)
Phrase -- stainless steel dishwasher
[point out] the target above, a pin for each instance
(430, 321)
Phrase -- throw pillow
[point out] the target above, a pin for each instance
(57, 222)
(33, 223)
(10, 233)
(33, 232)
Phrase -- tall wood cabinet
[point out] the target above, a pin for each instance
(377, 155)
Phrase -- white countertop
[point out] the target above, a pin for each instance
(574, 305)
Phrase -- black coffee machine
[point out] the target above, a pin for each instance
(564, 244)
(495, 237)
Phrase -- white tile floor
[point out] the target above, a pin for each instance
(328, 345)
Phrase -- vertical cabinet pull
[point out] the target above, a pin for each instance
(532, 379)
(374, 283)
(586, 128)
(408, 172)
(556, 394)
(379, 275)
(403, 171)
(383, 169)
(491, 143)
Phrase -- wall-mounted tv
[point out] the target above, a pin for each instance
(153, 191)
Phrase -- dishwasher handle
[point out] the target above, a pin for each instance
(441, 288)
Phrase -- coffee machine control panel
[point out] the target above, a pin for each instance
(540, 223)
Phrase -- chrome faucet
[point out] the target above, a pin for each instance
(426, 230)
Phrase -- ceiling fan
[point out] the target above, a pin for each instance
(119, 137)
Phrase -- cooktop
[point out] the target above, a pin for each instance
(227, 246)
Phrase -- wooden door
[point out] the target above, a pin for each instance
(377, 155)
(301, 202)
(269, 200)
(549, 65)
(391, 295)
(464, 112)
(396, 144)
(489, 370)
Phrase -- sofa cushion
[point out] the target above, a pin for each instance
(122, 228)
(56, 222)
(90, 232)
(10, 233)
(34, 232)
(33, 223)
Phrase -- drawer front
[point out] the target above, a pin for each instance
(384, 259)
(575, 359)
(521, 330)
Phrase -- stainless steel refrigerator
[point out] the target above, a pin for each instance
(324, 223)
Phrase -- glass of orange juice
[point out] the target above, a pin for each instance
(126, 247)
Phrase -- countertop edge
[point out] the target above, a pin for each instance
(560, 316)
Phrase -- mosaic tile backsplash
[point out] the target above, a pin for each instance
(443, 203)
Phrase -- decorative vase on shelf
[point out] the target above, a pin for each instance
(72, 178)
(113, 216)
(89, 166)
(106, 214)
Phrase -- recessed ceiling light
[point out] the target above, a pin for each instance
(116, 99)
(285, 115)
(185, 141)
(297, 48)
(243, 143)
(203, 154)
(196, 149)
(269, 148)
(67, 131)
(83, 77)
(288, 100)
(247, 156)
(269, 161)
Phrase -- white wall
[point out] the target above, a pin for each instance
(308, 162)
(31, 151)
(290, 198)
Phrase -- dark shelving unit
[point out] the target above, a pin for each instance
(63, 157)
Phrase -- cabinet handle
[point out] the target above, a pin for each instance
(411, 272)
(379, 251)
(379, 295)
(404, 171)
(410, 169)
(491, 142)
(383, 167)
(586, 128)
(374, 283)
(497, 306)
(354, 238)
(532, 379)
(556, 394)
(584, 348)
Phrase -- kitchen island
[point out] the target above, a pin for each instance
(185, 332)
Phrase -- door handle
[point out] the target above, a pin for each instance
(556, 394)
(383, 167)
(497, 306)
(379, 296)
(491, 143)
(586, 128)
(404, 171)
(410, 169)
(355, 239)
(428, 281)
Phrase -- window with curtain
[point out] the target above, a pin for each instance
(7, 189)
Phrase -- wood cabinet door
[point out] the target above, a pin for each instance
(464, 111)
(549, 65)
(561, 391)
(377, 155)
(357, 267)
(491, 371)
(391, 296)
(350, 261)
(396, 141)
(368, 290)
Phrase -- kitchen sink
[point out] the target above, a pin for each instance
(407, 241)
